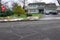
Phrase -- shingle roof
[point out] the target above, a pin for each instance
(37, 3)
(51, 4)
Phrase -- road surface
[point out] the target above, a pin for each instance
(30, 30)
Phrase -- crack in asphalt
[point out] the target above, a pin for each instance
(36, 32)
(33, 28)
(21, 37)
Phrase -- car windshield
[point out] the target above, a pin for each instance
(29, 19)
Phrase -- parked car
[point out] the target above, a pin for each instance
(47, 13)
(53, 13)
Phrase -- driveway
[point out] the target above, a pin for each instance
(50, 17)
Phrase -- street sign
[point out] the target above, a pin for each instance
(3, 8)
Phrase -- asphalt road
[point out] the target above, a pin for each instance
(30, 30)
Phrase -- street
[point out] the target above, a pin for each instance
(30, 30)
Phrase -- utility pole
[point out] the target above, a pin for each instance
(0, 6)
(24, 4)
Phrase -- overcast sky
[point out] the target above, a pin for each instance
(46, 1)
(31, 1)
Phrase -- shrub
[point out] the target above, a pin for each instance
(18, 10)
(6, 13)
(29, 15)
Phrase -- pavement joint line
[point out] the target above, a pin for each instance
(30, 35)
(21, 37)
(16, 33)
(24, 36)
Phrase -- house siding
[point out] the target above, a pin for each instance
(33, 11)
(41, 8)
(50, 8)
(58, 9)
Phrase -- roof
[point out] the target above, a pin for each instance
(36, 3)
(58, 1)
(51, 4)
(58, 7)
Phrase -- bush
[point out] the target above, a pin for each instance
(18, 10)
(29, 15)
(9, 13)
(6, 13)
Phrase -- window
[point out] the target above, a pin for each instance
(32, 5)
(32, 10)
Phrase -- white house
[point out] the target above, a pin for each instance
(58, 9)
(41, 7)
(36, 7)
(50, 7)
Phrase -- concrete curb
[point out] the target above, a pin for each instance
(20, 19)
(16, 20)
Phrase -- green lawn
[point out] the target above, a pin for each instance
(21, 16)
(24, 16)
(36, 14)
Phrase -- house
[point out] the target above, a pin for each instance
(58, 1)
(41, 7)
(36, 7)
(50, 7)
(58, 9)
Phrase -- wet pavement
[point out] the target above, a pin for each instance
(30, 30)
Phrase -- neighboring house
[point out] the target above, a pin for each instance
(26, 8)
(50, 7)
(58, 1)
(36, 7)
(58, 9)
(41, 7)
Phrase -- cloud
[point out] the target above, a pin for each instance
(31, 1)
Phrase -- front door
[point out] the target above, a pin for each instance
(41, 11)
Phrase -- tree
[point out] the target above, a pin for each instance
(18, 10)
(24, 3)
(6, 13)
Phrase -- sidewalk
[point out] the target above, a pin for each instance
(17, 19)
(21, 19)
